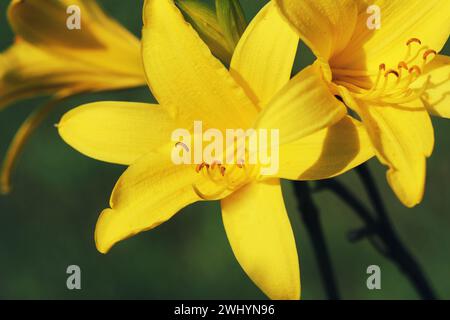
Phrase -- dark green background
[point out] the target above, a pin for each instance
(47, 223)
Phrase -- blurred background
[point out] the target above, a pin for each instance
(47, 223)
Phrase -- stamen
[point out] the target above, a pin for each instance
(201, 166)
(428, 52)
(425, 56)
(391, 71)
(214, 164)
(409, 43)
(412, 40)
(184, 146)
(402, 64)
(381, 69)
(385, 88)
(240, 163)
(222, 171)
(416, 69)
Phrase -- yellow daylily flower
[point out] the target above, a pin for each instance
(192, 85)
(49, 59)
(391, 77)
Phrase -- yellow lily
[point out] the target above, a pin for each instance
(49, 59)
(191, 84)
(391, 77)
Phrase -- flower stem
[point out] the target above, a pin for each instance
(379, 230)
(397, 251)
(310, 216)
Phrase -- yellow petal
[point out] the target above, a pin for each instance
(27, 71)
(402, 137)
(261, 237)
(326, 153)
(326, 26)
(304, 106)
(101, 42)
(437, 96)
(117, 132)
(263, 59)
(20, 139)
(185, 77)
(149, 193)
(401, 20)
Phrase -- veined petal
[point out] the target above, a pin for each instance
(149, 193)
(327, 153)
(101, 42)
(263, 59)
(262, 240)
(116, 132)
(402, 137)
(305, 105)
(27, 71)
(437, 95)
(44, 22)
(185, 77)
(326, 26)
(401, 20)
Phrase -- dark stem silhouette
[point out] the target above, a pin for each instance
(379, 230)
(311, 219)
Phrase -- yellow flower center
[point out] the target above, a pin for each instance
(229, 177)
(391, 85)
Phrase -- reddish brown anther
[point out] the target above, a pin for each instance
(413, 40)
(428, 52)
(391, 71)
(403, 65)
(416, 69)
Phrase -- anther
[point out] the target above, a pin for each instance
(215, 163)
(222, 171)
(413, 40)
(382, 67)
(201, 166)
(428, 52)
(184, 146)
(402, 64)
(416, 69)
(391, 71)
(240, 163)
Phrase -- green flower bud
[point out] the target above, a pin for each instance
(232, 20)
(204, 20)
